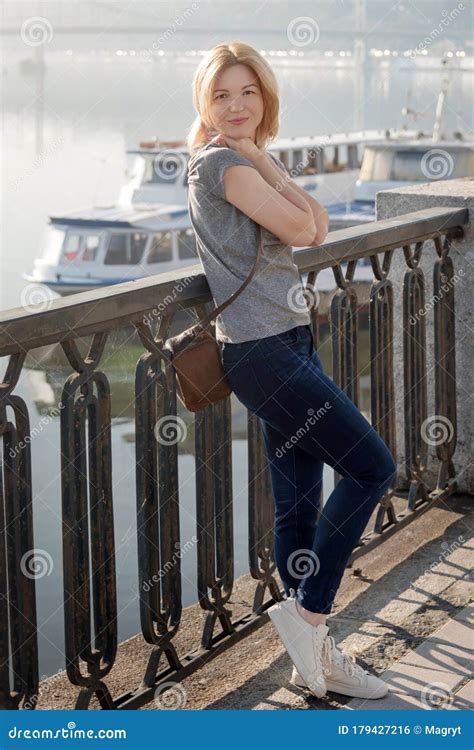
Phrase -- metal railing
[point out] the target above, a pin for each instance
(89, 573)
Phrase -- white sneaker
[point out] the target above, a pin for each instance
(343, 675)
(304, 643)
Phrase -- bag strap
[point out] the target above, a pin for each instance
(214, 313)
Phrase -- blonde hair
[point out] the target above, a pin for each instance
(218, 59)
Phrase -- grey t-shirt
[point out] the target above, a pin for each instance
(226, 241)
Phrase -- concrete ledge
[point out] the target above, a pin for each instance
(391, 203)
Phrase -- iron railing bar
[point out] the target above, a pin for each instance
(109, 308)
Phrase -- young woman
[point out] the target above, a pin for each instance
(269, 356)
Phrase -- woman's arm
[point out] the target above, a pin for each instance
(281, 182)
(246, 189)
(321, 216)
(285, 212)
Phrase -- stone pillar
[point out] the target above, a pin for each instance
(457, 193)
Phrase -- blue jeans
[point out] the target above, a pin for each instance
(307, 421)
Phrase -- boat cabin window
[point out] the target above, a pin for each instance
(186, 244)
(125, 248)
(91, 247)
(410, 165)
(161, 249)
(335, 158)
(138, 241)
(303, 161)
(407, 165)
(71, 247)
(376, 165)
(311, 160)
(163, 169)
(353, 157)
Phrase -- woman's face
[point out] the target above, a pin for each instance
(237, 102)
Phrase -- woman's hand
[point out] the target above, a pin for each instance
(244, 146)
(321, 233)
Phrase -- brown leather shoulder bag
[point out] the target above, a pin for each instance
(196, 355)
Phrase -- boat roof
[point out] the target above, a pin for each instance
(423, 144)
(289, 144)
(144, 216)
(338, 139)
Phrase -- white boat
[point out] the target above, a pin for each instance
(97, 247)
(327, 166)
(88, 249)
(149, 230)
(393, 165)
(398, 161)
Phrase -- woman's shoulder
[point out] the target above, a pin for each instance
(214, 152)
(199, 151)
(207, 163)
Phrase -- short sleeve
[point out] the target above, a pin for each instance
(208, 167)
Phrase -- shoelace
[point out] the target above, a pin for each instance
(322, 656)
(342, 658)
(328, 652)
